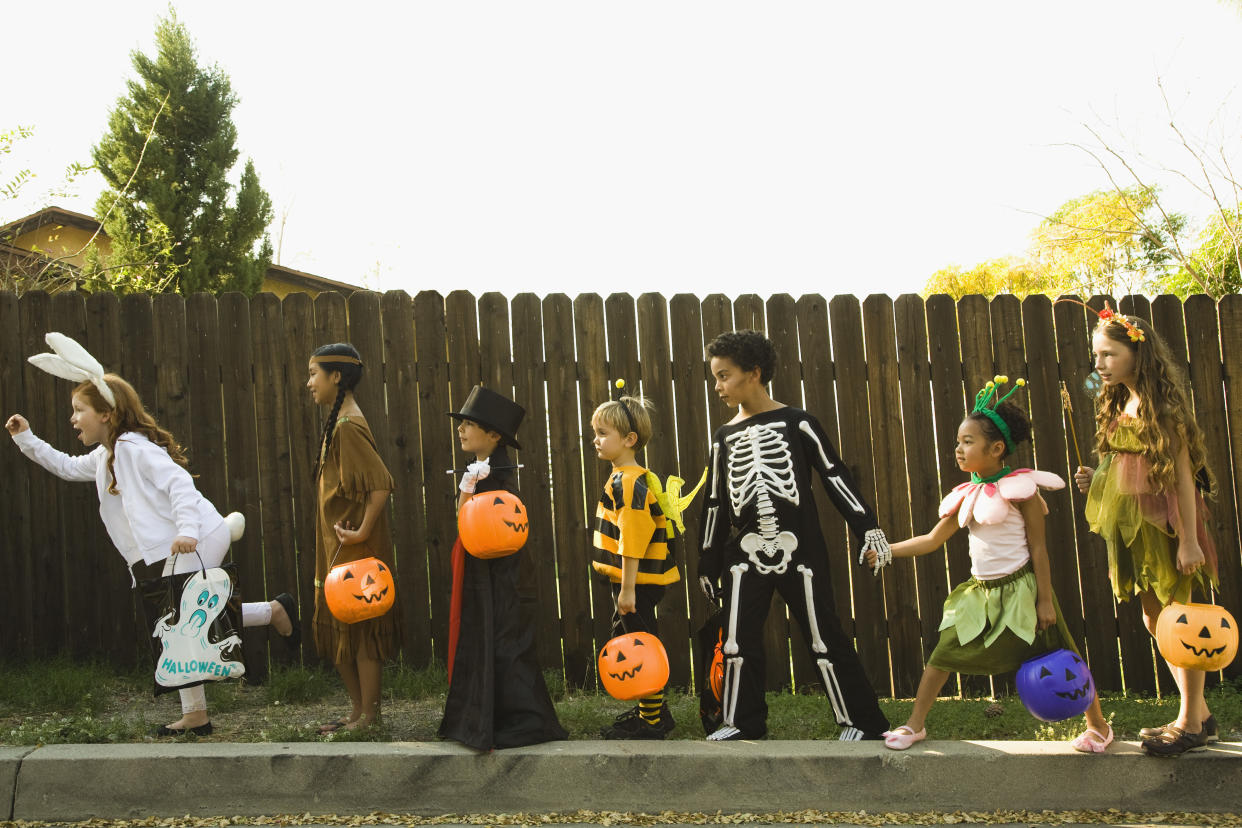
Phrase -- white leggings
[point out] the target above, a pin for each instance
(212, 549)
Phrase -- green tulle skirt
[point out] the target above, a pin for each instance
(989, 627)
(1135, 526)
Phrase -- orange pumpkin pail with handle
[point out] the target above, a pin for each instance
(359, 590)
(493, 524)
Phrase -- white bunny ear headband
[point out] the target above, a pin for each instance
(72, 362)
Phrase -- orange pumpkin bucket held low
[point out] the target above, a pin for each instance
(359, 590)
(633, 666)
(1197, 636)
(493, 524)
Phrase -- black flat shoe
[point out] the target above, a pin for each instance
(201, 730)
(294, 638)
(1174, 742)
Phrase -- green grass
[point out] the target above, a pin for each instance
(60, 684)
(60, 700)
(402, 682)
(292, 685)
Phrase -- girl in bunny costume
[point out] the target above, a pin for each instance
(147, 499)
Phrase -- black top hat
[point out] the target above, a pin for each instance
(494, 412)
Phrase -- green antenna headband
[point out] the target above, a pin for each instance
(986, 401)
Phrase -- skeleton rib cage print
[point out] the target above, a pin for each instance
(763, 464)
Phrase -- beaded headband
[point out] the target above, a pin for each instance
(329, 358)
(986, 401)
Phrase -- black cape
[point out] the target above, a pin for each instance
(497, 698)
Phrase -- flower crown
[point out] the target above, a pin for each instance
(987, 400)
(1133, 331)
(1109, 315)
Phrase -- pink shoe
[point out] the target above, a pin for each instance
(899, 740)
(1085, 744)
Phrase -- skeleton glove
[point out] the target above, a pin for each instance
(475, 472)
(709, 588)
(874, 539)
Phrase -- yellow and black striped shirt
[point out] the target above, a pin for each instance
(630, 524)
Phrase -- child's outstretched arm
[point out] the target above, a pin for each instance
(922, 544)
(79, 469)
(1033, 514)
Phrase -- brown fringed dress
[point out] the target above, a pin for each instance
(352, 470)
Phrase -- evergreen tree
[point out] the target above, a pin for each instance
(179, 225)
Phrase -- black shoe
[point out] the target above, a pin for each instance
(1211, 731)
(631, 721)
(201, 730)
(1174, 742)
(294, 638)
(631, 725)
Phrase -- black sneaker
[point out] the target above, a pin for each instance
(631, 721)
(1211, 732)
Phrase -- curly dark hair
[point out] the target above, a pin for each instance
(748, 350)
(1014, 417)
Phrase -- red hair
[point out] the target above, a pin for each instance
(128, 415)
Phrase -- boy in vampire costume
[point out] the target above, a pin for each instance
(497, 697)
(760, 532)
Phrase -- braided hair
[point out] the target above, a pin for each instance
(351, 375)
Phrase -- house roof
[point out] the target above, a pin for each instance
(309, 280)
(46, 216)
(60, 216)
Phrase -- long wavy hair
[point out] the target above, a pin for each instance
(351, 375)
(1165, 418)
(128, 415)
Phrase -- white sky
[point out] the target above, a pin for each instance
(670, 146)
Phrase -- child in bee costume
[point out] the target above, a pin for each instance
(634, 522)
(760, 533)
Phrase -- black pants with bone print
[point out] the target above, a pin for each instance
(839, 670)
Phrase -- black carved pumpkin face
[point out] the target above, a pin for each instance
(1197, 636)
(1055, 685)
(1065, 678)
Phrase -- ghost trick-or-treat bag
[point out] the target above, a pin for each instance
(194, 622)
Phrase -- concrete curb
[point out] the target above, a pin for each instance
(10, 763)
(75, 782)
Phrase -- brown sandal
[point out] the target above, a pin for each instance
(1211, 732)
(333, 727)
(1174, 742)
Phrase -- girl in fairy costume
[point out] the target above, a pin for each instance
(1145, 498)
(1006, 612)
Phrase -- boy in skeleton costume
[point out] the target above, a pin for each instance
(760, 532)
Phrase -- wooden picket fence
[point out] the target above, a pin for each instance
(890, 380)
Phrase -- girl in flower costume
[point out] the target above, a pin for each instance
(1006, 612)
(1145, 498)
